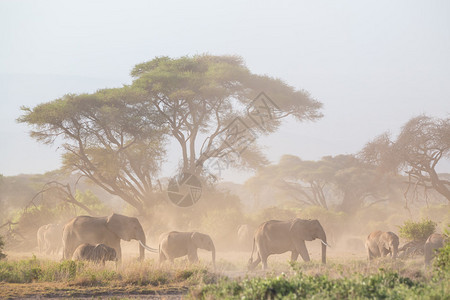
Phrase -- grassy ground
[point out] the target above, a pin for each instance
(38, 277)
(344, 276)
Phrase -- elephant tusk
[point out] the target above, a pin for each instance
(148, 248)
(325, 243)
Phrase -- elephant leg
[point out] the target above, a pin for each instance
(116, 246)
(383, 252)
(68, 250)
(192, 256)
(264, 261)
(294, 255)
(369, 254)
(301, 248)
(162, 258)
(253, 265)
(427, 254)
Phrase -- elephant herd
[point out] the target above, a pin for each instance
(381, 244)
(98, 239)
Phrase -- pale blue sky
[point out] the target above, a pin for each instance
(373, 64)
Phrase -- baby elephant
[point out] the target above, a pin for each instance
(177, 244)
(97, 253)
(380, 244)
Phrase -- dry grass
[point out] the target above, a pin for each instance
(55, 279)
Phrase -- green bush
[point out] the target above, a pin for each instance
(2, 244)
(417, 231)
(384, 285)
(442, 261)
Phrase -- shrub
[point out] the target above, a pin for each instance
(417, 231)
(442, 261)
(2, 244)
(384, 285)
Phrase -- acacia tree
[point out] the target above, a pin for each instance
(420, 146)
(116, 137)
(312, 182)
(198, 97)
(113, 137)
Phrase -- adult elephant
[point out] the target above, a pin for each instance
(244, 235)
(49, 238)
(276, 237)
(40, 238)
(434, 242)
(177, 244)
(380, 244)
(103, 230)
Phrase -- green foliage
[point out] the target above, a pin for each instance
(117, 137)
(81, 273)
(89, 199)
(417, 231)
(384, 285)
(32, 269)
(442, 260)
(2, 244)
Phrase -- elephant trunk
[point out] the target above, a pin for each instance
(394, 247)
(213, 255)
(394, 252)
(141, 237)
(323, 237)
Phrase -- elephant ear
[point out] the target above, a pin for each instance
(299, 228)
(198, 239)
(119, 225)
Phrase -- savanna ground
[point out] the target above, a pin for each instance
(346, 275)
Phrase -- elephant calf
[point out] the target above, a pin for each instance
(97, 253)
(380, 244)
(177, 244)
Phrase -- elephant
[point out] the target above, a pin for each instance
(40, 238)
(97, 253)
(49, 238)
(380, 244)
(434, 242)
(244, 235)
(276, 237)
(177, 244)
(103, 230)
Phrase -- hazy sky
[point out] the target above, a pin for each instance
(373, 64)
